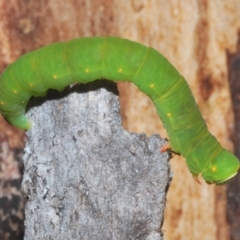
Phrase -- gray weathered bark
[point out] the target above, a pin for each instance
(87, 178)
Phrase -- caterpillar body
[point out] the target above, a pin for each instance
(86, 59)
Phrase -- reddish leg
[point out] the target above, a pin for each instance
(165, 148)
(196, 179)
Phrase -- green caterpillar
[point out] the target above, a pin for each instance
(87, 59)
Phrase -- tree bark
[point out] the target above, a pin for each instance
(85, 176)
(233, 193)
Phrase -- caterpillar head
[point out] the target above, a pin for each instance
(223, 167)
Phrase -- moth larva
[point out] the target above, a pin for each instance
(87, 59)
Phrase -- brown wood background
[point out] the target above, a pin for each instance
(194, 35)
(233, 193)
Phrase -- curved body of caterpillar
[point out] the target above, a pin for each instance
(87, 59)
